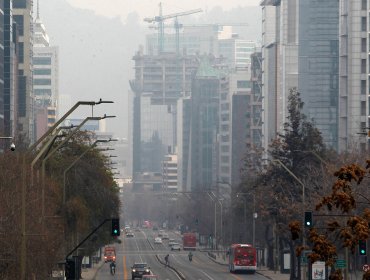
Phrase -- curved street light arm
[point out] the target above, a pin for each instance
(51, 129)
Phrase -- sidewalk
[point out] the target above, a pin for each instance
(90, 273)
(221, 259)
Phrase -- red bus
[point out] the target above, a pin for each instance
(189, 241)
(242, 257)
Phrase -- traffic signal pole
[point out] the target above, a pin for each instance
(87, 237)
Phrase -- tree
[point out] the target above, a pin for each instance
(343, 200)
(92, 197)
(278, 193)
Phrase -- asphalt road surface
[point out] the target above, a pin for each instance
(141, 248)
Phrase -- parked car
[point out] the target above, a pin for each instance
(140, 269)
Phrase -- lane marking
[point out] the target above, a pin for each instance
(124, 268)
(206, 275)
(124, 261)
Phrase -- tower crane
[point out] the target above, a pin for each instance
(160, 21)
(178, 26)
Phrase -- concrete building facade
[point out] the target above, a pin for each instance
(23, 16)
(45, 78)
(169, 173)
(301, 53)
(354, 93)
(235, 125)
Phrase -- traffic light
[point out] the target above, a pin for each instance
(115, 227)
(69, 269)
(308, 219)
(362, 247)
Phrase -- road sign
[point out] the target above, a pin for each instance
(366, 267)
(340, 263)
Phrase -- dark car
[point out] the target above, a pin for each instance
(139, 269)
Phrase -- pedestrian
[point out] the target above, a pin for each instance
(166, 259)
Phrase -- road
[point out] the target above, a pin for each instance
(141, 248)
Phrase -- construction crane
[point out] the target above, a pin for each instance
(160, 21)
(178, 26)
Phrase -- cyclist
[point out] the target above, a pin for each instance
(112, 268)
(190, 255)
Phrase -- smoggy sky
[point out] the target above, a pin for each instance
(149, 8)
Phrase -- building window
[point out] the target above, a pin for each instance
(363, 66)
(20, 23)
(363, 108)
(42, 82)
(364, 5)
(363, 24)
(42, 61)
(363, 87)
(42, 91)
(19, 4)
(363, 44)
(243, 84)
(42, 72)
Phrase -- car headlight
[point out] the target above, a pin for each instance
(146, 270)
(134, 270)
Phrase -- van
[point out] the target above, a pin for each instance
(109, 254)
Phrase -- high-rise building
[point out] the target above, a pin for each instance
(22, 15)
(45, 78)
(5, 39)
(235, 128)
(160, 80)
(301, 53)
(215, 39)
(354, 94)
(280, 67)
(236, 51)
(2, 92)
(200, 121)
(270, 49)
(318, 65)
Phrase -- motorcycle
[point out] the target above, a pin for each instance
(112, 269)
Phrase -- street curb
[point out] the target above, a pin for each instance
(179, 273)
(96, 271)
(170, 267)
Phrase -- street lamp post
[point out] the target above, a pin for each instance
(56, 149)
(303, 200)
(215, 222)
(254, 215)
(23, 257)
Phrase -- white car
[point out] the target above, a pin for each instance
(158, 240)
(175, 246)
(171, 242)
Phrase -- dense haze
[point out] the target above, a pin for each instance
(95, 51)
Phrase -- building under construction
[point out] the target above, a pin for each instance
(160, 80)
